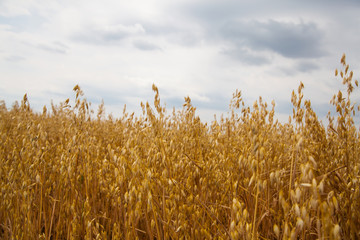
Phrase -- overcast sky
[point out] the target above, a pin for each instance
(115, 50)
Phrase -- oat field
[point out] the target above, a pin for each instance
(68, 173)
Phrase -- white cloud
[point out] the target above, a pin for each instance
(9, 9)
(108, 34)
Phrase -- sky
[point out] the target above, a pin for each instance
(205, 49)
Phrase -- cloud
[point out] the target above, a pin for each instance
(23, 23)
(5, 27)
(55, 47)
(247, 57)
(291, 40)
(145, 46)
(108, 34)
(7, 9)
(182, 34)
(297, 66)
(14, 58)
(306, 66)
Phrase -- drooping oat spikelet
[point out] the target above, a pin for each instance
(67, 174)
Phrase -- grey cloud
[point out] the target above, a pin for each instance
(145, 46)
(217, 12)
(246, 56)
(307, 66)
(299, 66)
(55, 47)
(174, 34)
(116, 34)
(302, 40)
(14, 58)
(110, 34)
(186, 38)
(159, 28)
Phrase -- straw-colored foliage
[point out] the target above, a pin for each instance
(70, 174)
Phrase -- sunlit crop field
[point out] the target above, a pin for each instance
(69, 173)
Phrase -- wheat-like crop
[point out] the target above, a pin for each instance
(67, 174)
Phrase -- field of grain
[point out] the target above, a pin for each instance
(69, 173)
